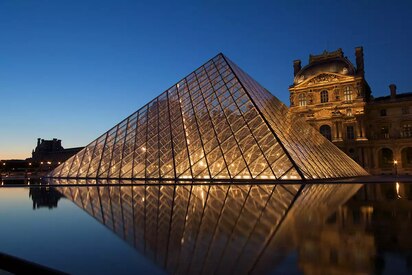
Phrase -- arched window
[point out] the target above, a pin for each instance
(407, 157)
(326, 131)
(347, 94)
(324, 97)
(302, 99)
(386, 158)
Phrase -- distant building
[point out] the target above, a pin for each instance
(52, 152)
(334, 97)
(13, 165)
(389, 129)
(47, 155)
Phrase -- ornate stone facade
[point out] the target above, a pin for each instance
(389, 131)
(334, 97)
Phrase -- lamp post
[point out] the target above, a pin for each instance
(395, 164)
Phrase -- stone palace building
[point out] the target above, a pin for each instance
(335, 98)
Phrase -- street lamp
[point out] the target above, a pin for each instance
(395, 164)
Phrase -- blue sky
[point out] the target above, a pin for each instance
(73, 69)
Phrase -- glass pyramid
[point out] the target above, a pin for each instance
(216, 123)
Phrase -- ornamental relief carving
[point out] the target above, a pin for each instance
(323, 113)
(323, 78)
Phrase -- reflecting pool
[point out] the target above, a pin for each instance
(210, 228)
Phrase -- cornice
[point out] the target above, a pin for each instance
(323, 79)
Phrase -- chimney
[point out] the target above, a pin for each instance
(38, 141)
(296, 67)
(359, 61)
(392, 88)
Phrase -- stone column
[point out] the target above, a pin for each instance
(363, 128)
(366, 155)
(359, 124)
(337, 125)
(360, 129)
(335, 131)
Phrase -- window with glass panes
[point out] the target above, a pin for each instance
(302, 100)
(324, 97)
(348, 93)
(350, 132)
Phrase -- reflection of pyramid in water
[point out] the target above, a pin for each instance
(216, 123)
(210, 229)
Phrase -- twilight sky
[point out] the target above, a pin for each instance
(72, 69)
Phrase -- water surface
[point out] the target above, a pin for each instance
(190, 228)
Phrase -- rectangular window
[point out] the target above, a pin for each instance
(350, 133)
(349, 112)
(348, 94)
(324, 96)
(302, 99)
(385, 132)
(406, 130)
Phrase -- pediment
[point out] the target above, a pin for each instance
(323, 78)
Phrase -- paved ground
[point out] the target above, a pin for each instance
(378, 179)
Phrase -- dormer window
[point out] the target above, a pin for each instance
(302, 99)
(324, 96)
(348, 93)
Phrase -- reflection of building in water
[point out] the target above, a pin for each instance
(208, 228)
(334, 97)
(44, 197)
(377, 220)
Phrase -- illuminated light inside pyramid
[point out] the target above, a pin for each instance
(216, 123)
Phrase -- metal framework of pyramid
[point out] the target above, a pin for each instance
(216, 123)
